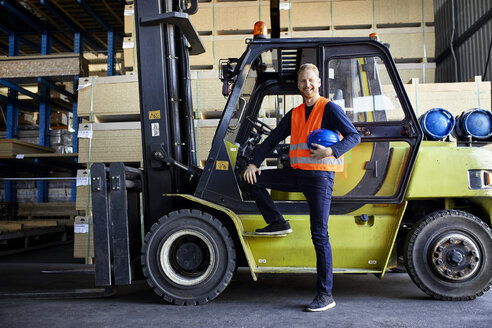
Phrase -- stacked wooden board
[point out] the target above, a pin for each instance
(109, 132)
(43, 224)
(129, 40)
(83, 244)
(12, 148)
(32, 210)
(408, 26)
(454, 97)
(112, 98)
(54, 65)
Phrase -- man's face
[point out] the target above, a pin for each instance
(308, 84)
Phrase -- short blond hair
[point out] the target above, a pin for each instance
(307, 67)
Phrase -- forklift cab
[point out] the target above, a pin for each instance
(356, 73)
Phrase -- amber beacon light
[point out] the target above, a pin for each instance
(374, 36)
(260, 30)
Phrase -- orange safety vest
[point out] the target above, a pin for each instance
(300, 157)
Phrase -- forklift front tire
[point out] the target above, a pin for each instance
(448, 255)
(188, 257)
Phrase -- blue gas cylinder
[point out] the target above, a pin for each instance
(437, 123)
(323, 137)
(475, 122)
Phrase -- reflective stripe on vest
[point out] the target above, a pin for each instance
(299, 154)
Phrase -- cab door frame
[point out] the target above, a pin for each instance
(380, 132)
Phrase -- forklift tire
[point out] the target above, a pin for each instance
(448, 255)
(188, 257)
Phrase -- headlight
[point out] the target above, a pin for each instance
(480, 179)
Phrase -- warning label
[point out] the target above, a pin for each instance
(222, 165)
(154, 114)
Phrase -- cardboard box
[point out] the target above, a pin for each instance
(58, 118)
(27, 118)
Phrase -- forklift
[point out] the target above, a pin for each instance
(401, 203)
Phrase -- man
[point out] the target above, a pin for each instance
(311, 172)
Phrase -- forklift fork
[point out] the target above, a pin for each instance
(116, 211)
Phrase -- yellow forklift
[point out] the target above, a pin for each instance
(400, 200)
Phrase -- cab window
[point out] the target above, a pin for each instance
(363, 88)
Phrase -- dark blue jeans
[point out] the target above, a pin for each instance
(317, 187)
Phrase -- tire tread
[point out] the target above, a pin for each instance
(224, 282)
(411, 243)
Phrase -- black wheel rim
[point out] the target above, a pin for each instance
(454, 256)
(187, 257)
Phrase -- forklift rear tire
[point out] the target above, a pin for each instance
(448, 255)
(188, 257)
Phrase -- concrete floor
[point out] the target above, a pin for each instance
(272, 301)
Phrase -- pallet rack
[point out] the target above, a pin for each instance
(42, 44)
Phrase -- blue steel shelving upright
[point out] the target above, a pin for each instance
(53, 28)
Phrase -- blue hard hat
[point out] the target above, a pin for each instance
(437, 123)
(475, 122)
(323, 137)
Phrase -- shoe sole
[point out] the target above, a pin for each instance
(274, 233)
(329, 306)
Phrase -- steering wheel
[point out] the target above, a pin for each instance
(260, 126)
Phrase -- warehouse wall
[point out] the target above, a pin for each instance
(467, 24)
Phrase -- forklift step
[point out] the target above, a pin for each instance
(254, 234)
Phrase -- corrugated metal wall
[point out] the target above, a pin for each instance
(468, 23)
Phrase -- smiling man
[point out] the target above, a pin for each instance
(311, 171)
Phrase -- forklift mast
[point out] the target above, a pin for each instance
(165, 39)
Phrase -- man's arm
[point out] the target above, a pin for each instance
(337, 120)
(281, 131)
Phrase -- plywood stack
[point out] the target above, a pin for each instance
(83, 238)
(129, 49)
(110, 131)
(408, 26)
(205, 131)
(43, 65)
(454, 97)
(110, 106)
(206, 88)
(107, 99)
(98, 63)
(110, 142)
(12, 148)
(33, 210)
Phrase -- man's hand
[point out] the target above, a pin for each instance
(250, 173)
(320, 152)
